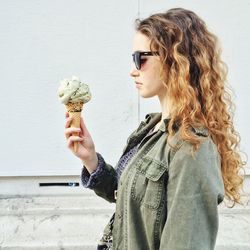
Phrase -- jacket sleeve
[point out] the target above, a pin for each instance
(103, 180)
(195, 188)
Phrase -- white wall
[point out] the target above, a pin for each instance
(45, 41)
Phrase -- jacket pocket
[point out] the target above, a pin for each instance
(148, 183)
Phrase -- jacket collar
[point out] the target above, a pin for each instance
(153, 118)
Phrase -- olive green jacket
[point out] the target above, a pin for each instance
(166, 199)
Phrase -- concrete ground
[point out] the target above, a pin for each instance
(72, 218)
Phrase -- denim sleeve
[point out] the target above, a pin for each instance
(194, 190)
(103, 180)
(89, 180)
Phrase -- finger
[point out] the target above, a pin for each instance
(68, 122)
(74, 139)
(70, 131)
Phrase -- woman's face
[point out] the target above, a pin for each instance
(148, 76)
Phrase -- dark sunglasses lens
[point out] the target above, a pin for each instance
(137, 59)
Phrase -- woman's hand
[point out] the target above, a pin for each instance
(86, 148)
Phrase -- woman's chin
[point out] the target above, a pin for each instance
(145, 95)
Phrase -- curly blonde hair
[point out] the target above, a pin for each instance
(195, 78)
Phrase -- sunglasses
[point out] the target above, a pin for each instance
(140, 61)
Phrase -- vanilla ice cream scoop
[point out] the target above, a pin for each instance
(73, 91)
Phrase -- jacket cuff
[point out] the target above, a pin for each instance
(89, 180)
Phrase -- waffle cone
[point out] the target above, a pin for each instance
(74, 110)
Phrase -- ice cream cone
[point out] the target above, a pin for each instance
(74, 110)
(74, 94)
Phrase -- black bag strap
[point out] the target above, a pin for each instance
(106, 241)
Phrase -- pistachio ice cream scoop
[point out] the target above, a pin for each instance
(74, 94)
(73, 91)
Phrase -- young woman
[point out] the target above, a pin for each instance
(179, 164)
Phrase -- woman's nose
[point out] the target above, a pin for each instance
(134, 71)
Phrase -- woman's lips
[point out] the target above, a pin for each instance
(138, 84)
